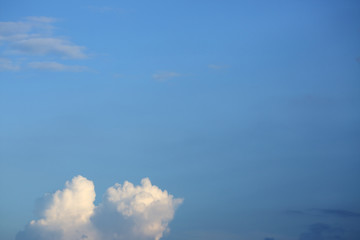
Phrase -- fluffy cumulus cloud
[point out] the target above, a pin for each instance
(127, 212)
(65, 214)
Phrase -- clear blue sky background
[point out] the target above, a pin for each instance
(249, 110)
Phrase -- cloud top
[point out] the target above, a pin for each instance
(127, 212)
(147, 206)
(71, 206)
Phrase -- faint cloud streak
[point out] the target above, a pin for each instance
(327, 212)
(164, 76)
(46, 46)
(321, 231)
(33, 36)
(55, 66)
(8, 65)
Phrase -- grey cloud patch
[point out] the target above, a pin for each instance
(209, 235)
(327, 212)
(163, 76)
(127, 211)
(8, 65)
(321, 231)
(55, 66)
(35, 233)
(13, 28)
(30, 27)
(338, 213)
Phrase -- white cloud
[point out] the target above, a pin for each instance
(163, 76)
(34, 36)
(70, 207)
(13, 28)
(55, 66)
(32, 26)
(65, 214)
(8, 65)
(127, 212)
(148, 207)
(47, 46)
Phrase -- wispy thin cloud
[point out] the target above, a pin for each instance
(8, 65)
(8, 29)
(322, 231)
(28, 28)
(47, 46)
(328, 212)
(338, 212)
(55, 66)
(34, 37)
(41, 19)
(164, 76)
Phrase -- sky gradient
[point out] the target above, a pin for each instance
(246, 110)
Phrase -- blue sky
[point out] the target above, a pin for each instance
(248, 110)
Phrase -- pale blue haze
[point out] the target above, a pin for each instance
(249, 110)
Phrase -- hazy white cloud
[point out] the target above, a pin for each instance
(47, 46)
(127, 212)
(163, 76)
(34, 36)
(30, 27)
(13, 28)
(55, 66)
(8, 65)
